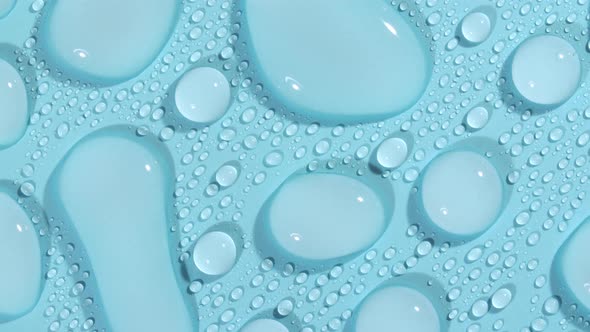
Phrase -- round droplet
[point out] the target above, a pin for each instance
(404, 308)
(6, 7)
(546, 70)
(328, 69)
(476, 27)
(324, 216)
(215, 253)
(501, 298)
(266, 325)
(479, 308)
(20, 254)
(477, 118)
(14, 108)
(202, 95)
(227, 175)
(461, 193)
(392, 152)
(107, 41)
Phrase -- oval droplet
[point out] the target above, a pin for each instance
(363, 61)
(215, 253)
(324, 216)
(461, 193)
(106, 41)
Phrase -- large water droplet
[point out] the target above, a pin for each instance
(107, 41)
(392, 152)
(476, 27)
(266, 325)
(546, 70)
(20, 254)
(324, 216)
(461, 193)
(14, 108)
(362, 61)
(202, 95)
(6, 7)
(127, 179)
(398, 307)
(571, 267)
(215, 253)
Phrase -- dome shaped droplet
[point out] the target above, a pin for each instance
(546, 70)
(461, 193)
(202, 95)
(392, 152)
(362, 61)
(401, 307)
(107, 41)
(215, 253)
(14, 108)
(324, 216)
(476, 27)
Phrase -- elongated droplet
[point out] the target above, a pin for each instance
(112, 188)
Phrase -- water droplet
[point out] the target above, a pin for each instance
(126, 178)
(501, 298)
(14, 110)
(215, 253)
(461, 193)
(476, 27)
(6, 7)
(20, 253)
(308, 210)
(546, 70)
(202, 95)
(78, 39)
(477, 118)
(227, 175)
(325, 69)
(266, 325)
(404, 308)
(392, 152)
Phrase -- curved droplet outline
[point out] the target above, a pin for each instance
(499, 160)
(31, 207)
(267, 245)
(53, 206)
(485, 9)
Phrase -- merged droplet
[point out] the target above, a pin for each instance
(324, 216)
(266, 325)
(546, 70)
(121, 221)
(14, 108)
(215, 253)
(107, 41)
(461, 193)
(399, 307)
(20, 254)
(202, 95)
(6, 7)
(362, 61)
(571, 267)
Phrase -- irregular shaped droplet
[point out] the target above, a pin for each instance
(363, 61)
(476, 27)
(546, 70)
(266, 325)
(202, 95)
(392, 152)
(106, 41)
(6, 7)
(121, 221)
(20, 254)
(461, 193)
(324, 216)
(14, 108)
(215, 253)
(571, 267)
(404, 308)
